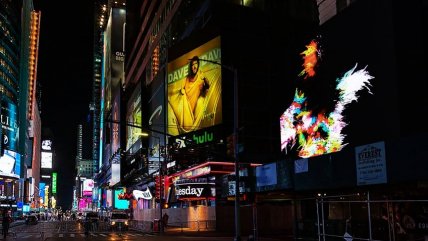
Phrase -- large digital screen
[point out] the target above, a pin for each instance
(314, 122)
(42, 190)
(194, 89)
(157, 113)
(120, 203)
(46, 159)
(118, 16)
(115, 130)
(9, 125)
(266, 175)
(10, 164)
(133, 117)
(47, 145)
(88, 185)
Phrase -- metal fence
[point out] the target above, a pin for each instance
(357, 217)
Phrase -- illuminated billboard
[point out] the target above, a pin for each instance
(194, 89)
(46, 159)
(115, 127)
(10, 164)
(42, 190)
(54, 177)
(120, 203)
(9, 125)
(88, 185)
(133, 117)
(47, 145)
(313, 124)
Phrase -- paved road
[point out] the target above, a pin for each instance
(64, 231)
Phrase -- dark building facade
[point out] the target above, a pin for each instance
(325, 136)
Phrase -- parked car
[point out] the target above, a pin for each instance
(119, 221)
(31, 219)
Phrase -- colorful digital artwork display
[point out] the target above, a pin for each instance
(308, 127)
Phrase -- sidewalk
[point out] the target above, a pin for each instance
(177, 231)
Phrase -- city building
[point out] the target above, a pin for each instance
(146, 137)
(20, 118)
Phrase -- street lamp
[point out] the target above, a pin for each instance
(236, 148)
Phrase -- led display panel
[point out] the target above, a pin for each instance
(88, 185)
(47, 145)
(9, 125)
(194, 89)
(313, 123)
(46, 159)
(120, 203)
(10, 164)
(133, 117)
(266, 175)
(54, 182)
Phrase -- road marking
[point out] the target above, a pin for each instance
(61, 235)
(103, 235)
(72, 235)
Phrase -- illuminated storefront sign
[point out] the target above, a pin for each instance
(190, 191)
(194, 188)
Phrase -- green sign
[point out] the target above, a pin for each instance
(54, 182)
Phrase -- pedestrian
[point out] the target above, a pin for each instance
(87, 226)
(6, 223)
(165, 220)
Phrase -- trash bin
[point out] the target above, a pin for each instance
(156, 225)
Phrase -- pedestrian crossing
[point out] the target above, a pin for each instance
(78, 235)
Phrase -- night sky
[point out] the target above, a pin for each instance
(65, 72)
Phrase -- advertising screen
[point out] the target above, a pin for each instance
(88, 185)
(194, 89)
(266, 175)
(120, 203)
(327, 89)
(9, 127)
(10, 164)
(47, 145)
(115, 127)
(42, 190)
(54, 176)
(46, 159)
(133, 117)
(118, 16)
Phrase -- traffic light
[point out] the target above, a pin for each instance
(159, 186)
(230, 145)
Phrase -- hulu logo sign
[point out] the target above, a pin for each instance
(203, 138)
